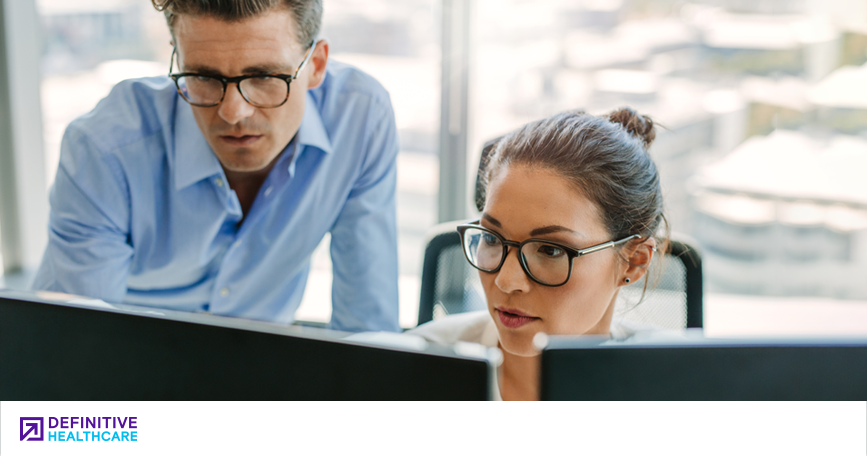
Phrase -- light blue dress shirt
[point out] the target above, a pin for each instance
(141, 211)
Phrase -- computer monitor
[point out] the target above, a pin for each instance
(66, 349)
(705, 369)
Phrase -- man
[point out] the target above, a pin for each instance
(209, 190)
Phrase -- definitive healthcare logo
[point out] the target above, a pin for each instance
(80, 429)
(34, 426)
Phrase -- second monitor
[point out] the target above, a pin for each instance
(705, 369)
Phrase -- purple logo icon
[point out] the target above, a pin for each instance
(32, 428)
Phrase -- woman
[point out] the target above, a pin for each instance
(573, 212)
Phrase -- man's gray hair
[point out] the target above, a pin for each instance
(307, 13)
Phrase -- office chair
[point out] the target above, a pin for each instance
(673, 299)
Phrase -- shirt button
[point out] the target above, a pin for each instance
(219, 182)
(268, 191)
(224, 292)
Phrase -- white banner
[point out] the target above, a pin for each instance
(483, 429)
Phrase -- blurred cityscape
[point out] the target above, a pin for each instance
(762, 103)
(763, 111)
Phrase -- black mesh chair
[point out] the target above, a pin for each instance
(673, 299)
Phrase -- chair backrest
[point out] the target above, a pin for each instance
(673, 299)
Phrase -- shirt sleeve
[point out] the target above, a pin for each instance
(88, 250)
(364, 239)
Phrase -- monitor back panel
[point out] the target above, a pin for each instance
(750, 372)
(56, 352)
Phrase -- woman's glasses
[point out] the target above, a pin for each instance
(547, 263)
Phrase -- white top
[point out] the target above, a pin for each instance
(479, 327)
(476, 327)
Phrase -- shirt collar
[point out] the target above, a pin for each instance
(196, 161)
(312, 131)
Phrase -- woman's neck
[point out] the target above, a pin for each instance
(519, 377)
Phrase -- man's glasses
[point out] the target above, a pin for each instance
(547, 263)
(260, 90)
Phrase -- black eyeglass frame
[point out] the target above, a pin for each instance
(571, 252)
(288, 78)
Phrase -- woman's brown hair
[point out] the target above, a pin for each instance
(603, 157)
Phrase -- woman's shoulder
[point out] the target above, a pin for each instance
(477, 327)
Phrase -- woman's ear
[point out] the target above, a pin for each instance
(638, 257)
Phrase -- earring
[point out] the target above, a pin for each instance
(627, 280)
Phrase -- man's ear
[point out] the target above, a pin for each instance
(638, 257)
(318, 61)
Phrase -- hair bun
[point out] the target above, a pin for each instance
(635, 123)
(161, 5)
